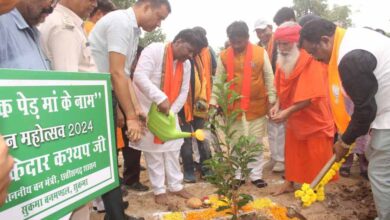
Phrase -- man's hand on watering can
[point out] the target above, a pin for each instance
(164, 107)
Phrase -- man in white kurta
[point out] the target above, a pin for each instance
(162, 159)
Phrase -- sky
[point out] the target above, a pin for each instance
(216, 15)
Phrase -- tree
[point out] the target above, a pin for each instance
(237, 152)
(123, 4)
(150, 37)
(339, 14)
(304, 7)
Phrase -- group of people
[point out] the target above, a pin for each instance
(314, 86)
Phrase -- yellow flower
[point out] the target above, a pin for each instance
(305, 198)
(173, 216)
(313, 198)
(299, 193)
(305, 187)
(261, 203)
(320, 197)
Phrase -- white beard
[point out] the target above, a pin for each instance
(287, 62)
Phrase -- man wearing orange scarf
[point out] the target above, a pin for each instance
(303, 106)
(360, 71)
(251, 66)
(195, 111)
(162, 77)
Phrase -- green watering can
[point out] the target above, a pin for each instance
(164, 127)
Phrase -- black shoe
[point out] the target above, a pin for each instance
(364, 174)
(129, 217)
(138, 187)
(125, 204)
(259, 183)
(345, 171)
(124, 191)
(238, 183)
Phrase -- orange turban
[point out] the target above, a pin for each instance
(289, 34)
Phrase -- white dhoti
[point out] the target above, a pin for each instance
(276, 139)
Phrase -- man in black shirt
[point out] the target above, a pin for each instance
(360, 72)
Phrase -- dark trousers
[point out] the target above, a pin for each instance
(132, 162)
(112, 200)
(186, 148)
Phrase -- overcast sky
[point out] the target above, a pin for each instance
(216, 15)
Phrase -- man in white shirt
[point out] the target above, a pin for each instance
(153, 68)
(114, 42)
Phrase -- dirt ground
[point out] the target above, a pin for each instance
(348, 199)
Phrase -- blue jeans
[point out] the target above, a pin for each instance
(186, 149)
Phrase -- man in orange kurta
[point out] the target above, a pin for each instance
(303, 105)
(250, 66)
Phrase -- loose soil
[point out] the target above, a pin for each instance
(348, 199)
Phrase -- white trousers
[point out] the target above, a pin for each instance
(254, 128)
(276, 139)
(161, 165)
(378, 155)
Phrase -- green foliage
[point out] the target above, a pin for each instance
(304, 7)
(236, 153)
(150, 37)
(338, 14)
(123, 4)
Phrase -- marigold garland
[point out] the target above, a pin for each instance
(309, 195)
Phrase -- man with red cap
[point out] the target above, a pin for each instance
(303, 106)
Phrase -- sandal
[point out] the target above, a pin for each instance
(259, 183)
(345, 171)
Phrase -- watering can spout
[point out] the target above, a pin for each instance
(164, 127)
(198, 134)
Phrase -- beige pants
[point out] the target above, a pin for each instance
(257, 129)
